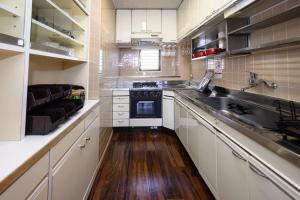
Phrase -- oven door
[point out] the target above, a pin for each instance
(145, 106)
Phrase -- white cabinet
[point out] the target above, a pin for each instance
(146, 21)
(72, 175)
(183, 131)
(194, 140)
(154, 21)
(68, 176)
(264, 184)
(232, 170)
(139, 21)
(28, 182)
(41, 192)
(123, 26)
(168, 112)
(121, 108)
(207, 153)
(169, 25)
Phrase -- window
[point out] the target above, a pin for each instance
(150, 60)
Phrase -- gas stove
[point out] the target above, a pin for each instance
(145, 86)
(145, 104)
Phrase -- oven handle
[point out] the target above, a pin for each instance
(146, 101)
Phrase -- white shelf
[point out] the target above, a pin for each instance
(48, 4)
(11, 48)
(57, 36)
(56, 56)
(75, 5)
(6, 10)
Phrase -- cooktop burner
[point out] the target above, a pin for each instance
(141, 85)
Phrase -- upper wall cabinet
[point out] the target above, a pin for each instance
(146, 21)
(123, 28)
(154, 21)
(139, 21)
(146, 24)
(194, 13)
(169, 25)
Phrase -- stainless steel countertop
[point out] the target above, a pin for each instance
(265, 138)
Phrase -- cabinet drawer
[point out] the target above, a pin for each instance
(41, 192)
(123, 99)
(90, 118)
(121, 107)
(120, 115)
(121, 93)
(168, 93)
(121, 123)
(65, 144)
(28, 181)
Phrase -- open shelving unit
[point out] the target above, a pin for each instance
(242, 26)
(59, 27)
(9, 11)
(12, 15)
(26, 59)
(213, 37)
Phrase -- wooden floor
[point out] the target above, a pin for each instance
(140, 164)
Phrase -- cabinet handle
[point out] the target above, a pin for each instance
(87, 139)
(257, 171)
(237, 155)
(82, 146)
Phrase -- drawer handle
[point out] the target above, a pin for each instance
(120, 114)
(237, 155)
(257, 171)
(82, 146)
(121, 106)
(87, 139)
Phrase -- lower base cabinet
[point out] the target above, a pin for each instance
(232, 170)
(41, 192)
(202, 149)
(73, 173)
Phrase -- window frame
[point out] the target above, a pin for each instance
(150, 70)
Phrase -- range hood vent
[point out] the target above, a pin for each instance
(146, 40)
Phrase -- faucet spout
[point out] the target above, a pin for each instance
(253, 82)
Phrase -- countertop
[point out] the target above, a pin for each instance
(16, 157)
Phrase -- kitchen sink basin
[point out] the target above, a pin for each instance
(246, 112)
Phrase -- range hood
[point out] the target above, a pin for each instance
(146, 39)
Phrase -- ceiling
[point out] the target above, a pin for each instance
(150, 4)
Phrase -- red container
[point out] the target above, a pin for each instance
(212, 51)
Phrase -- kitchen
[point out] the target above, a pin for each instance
(150, 99)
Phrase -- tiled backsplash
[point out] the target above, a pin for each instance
(281, 66)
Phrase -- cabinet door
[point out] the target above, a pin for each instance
(92, 149)
(207, 153)
(41, 192)
(177, 117)
(232, 169)
(194, 139)
(123, 26)
(169, 25)
(139, 21)
(154, 21)
(183, 127)
(168, 112)
(263, 184)
(68, 181)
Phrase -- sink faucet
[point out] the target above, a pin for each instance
(253, 82)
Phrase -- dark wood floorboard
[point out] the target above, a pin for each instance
(142, 164)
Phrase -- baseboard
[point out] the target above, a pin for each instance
(86, 196)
